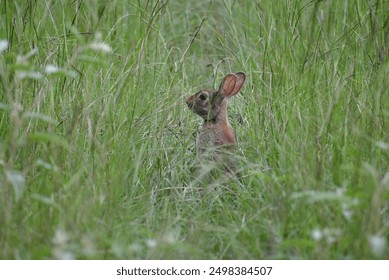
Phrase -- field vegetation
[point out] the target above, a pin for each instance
(97, 146)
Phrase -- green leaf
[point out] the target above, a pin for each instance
(317, 196)
(49, 138)
(46, 200)
(91, 60)
(35, 115)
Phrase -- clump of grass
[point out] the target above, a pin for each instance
(97, 152)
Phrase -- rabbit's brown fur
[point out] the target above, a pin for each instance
(216, 133)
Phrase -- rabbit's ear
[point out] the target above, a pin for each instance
(232, 83)
(240, 79)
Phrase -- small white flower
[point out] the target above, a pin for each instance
(100, 46)
(151, 243)
(3, 45)
(332, 234)
(51, 69)
(327, 234)
(60, 237)
(339, 191)
(383, 145)
(347, 213)
(60, 242)
(29, 75)
(317, 234)
(377, 245)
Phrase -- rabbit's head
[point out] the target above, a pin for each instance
(211, 105)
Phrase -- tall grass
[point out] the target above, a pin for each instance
(97, 157)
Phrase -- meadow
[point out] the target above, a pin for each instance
(97, 145)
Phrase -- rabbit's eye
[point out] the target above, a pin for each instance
(203, 96)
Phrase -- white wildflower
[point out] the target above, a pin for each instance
(383, 145)
(52, 69)
(347, 213)
(317, 234)
(151, 243)
(60, 237)
(3, 45)
(377, 245)
(100, 46)
(328, 234)
(29, 75)
(60, 245)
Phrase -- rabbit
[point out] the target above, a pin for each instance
(216, 136)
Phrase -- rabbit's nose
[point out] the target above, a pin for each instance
(189, 102)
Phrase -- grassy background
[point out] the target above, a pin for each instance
(97, 157)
